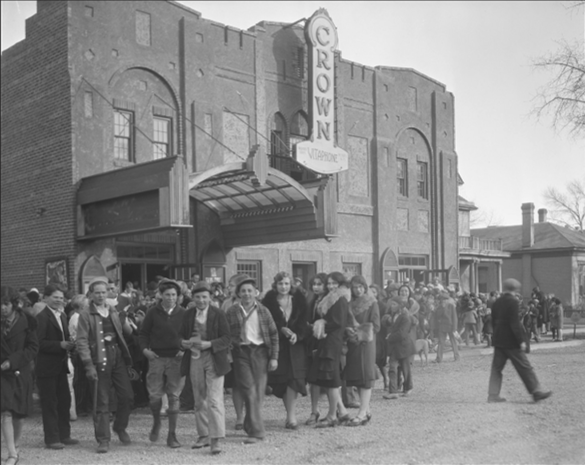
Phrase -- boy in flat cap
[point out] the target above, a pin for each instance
(161, 344)
(106, 358)
(254, 339)
(206, 339)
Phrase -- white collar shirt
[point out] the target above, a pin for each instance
(253, 325)
(201, 315)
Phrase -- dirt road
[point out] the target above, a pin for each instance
(445, 421)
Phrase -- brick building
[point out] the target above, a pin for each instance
(542, 254)
(141, 139)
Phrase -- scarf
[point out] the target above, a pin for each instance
(362, 303)
(331, 299)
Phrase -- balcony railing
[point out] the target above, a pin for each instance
(476, 243)
(291, 167)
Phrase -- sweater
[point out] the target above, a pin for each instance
(160, 331)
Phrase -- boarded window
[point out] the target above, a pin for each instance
(88, 104)
(235, 137)
(358, 166)
(423, 221)
(402, 219)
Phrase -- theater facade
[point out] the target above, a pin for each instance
(141, 139)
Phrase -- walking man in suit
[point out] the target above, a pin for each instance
(509, 343)
(206, 339)
(446, 321)
(52, 369)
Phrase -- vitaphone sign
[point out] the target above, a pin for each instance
(320, 153)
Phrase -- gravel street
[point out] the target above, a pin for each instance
(445, 420)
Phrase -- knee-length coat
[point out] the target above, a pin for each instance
(292, 358)
(360, 369)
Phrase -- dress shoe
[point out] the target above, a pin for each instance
(291, 425)
(124, 437)
(252, 440)
(203, 441)
(495, 399)
(406, 393)
(70, 441)
(326, 423)
(215, 449)
(390, 396)
(55, 446)
(239, 426)
(103, 447)
(540, 395)
(313, 419)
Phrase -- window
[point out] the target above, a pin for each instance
(299, 128)
(252, 268)
(352, 269)
(422, 180)
(123, 135)
(161, 137)
(402, 176)
(413, 260)
(300, 62)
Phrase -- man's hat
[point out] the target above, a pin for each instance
(200, 286)
(170, 282)
(244, 279)
(100, 280)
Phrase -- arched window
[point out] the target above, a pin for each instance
(299, 128)
(278, 147)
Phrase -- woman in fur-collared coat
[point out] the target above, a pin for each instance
(289, 312)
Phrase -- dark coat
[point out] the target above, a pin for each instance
(508, 331)
(360, 368)
(20, 347)
(52, 358)
(218, 333)
(400, 344)
(292, 359)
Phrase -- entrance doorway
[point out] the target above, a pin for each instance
(304, 271)
(141, 274)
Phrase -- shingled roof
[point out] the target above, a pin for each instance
(546, 236)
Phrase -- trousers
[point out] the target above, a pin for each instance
(55, 403)
(164, 377)
(251, 373)
(441, 347)
(404, 364)
(114, 374)
(521, 364)
(208, 397)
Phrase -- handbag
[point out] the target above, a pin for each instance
(365, 332)
(319, 329)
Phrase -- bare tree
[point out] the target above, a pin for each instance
(568, 208)
(563, 96)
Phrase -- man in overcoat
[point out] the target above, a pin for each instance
(446, 321)
(509, 343)
(51, 369)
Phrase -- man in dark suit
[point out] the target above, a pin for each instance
(509, 343)
(205, 336)
(51, 370)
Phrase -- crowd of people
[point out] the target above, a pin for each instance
(183, 346)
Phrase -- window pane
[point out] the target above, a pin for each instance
(161, 137)
(123, 123)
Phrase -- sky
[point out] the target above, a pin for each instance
(482, 51)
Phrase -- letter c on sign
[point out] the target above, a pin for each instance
(327, 34)
(323, 86)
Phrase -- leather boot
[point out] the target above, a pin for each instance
(172, 438)
(155, 408)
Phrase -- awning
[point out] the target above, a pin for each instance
(259, 209)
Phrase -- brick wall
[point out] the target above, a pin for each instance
(36, 180)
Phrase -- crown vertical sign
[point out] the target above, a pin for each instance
(320, 153)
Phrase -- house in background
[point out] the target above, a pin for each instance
(542, 254)
(480, 259)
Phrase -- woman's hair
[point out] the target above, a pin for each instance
(8, 295)
(279, 277)
(338, 277)
(321, 277)
(359, 280)
(78, 302)
(409, 290)
(381, 292)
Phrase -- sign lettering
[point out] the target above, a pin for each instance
(320, 153)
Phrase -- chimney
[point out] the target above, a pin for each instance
(542, 215)
(527, 225)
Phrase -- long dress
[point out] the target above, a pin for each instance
(292, 358)
(20, 345)
(326, 367)
(360, 370)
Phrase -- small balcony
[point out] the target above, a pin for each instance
(476, 244)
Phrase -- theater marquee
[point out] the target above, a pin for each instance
(320, 153)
